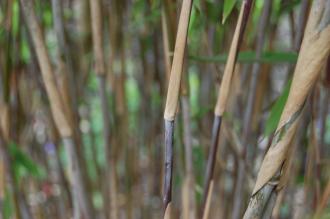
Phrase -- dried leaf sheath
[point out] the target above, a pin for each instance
(312, 56)
(314, 51)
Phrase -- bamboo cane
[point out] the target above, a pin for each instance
(248, 114)
(99, 68)
(172, 99)
(188, 194)
(224, 93)
(59, 109)
(6, 159)
(312, 56)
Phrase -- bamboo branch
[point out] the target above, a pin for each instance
(224, 93)
(312, 57)
(173, 97)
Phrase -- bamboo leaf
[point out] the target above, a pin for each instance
(214, 10)
(227, 9)
(276, 111)
(192, 23)
(250, 57)
(22, 162)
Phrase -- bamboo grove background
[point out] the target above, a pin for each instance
(84, 85)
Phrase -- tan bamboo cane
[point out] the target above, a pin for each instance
(99, 68)
(6, 160)
(224, 94)
(312, 56)
(172, 100)
(59, 109)
(188, 186)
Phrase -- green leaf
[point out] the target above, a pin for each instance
(15, 21)
(227, 9)
(23, 163)
(214, 10)
(250, 57)
(276, 111)
(192, 22)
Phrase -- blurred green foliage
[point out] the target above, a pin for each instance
(23, 165)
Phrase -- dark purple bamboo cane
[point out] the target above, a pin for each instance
(246, 7)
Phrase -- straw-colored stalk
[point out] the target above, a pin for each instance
(239, 191)
(96, 14)
(208, 201)
(177, 64)
(99, 68)
(324, 200)
(223, 95)
(188, 198)
(312, 56)
(173, 98)
(56, 102)
(166, 46)
(230, 65)
(59, 111)
(6, 168)
(188, 191)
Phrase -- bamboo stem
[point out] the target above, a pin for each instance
(189, 211)
(11, 178)
(224, 93)
(173, 97)
(169, 131)
(96, 14)
(59, 111)
(238, 192)
(106, 139)
(208, 201)
(312, 56)
(177, 64)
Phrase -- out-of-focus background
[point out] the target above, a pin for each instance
(108, 111)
